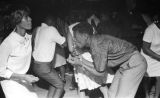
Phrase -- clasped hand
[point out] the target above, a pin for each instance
(30, 78)
(77, 60)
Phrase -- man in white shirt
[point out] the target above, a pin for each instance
(44, 48)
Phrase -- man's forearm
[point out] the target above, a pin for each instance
(90, 67)
(17, 76)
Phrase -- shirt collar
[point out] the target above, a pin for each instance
(18, 37)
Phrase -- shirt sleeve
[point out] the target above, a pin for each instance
(100, 61)
(99, 58)
(5, 50)
(57, 37)
(148, 34)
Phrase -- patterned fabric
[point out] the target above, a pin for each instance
(108, 51)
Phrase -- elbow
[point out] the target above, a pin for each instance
(146, 51)
(100, 69)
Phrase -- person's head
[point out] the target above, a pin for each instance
(82, 32)
(19, 17)
(50, 20)
(16, 17)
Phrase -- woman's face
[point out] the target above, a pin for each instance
(26, 23)
(80, 39)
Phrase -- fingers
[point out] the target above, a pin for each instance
(31, 78)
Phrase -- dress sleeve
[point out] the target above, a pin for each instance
(148, 34)
(5, 50)
(56, 36)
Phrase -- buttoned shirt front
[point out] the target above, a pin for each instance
(45, 43)
(15, 55)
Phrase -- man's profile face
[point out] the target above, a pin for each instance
(80, 39)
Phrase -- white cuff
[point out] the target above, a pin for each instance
(8, 74)
(62, 40)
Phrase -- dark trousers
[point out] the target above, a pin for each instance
(45, 71)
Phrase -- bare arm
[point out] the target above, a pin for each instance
(70, 42)
(146, 49)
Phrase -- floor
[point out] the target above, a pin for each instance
(42, 91)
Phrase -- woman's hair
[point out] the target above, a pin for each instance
(12, 16)
(16, 13)
(84, 28)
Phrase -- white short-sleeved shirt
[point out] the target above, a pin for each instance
(152, 35)
(45, 43)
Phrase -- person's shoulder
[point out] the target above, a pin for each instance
(153, 25)
(10, 40)
(50, 30)
(96, 39)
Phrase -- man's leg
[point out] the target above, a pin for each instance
(104, 90)
(54, 79)
(115, 85)
(131, 77)
(62, 73)
(157, 87)
(128, 78)
(43, 70)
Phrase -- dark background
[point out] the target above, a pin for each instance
(39, 8)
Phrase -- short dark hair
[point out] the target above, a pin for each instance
(50, 20)
(84, 28)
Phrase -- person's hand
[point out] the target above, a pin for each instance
(74, 60)
(70, 59)
(30, 79)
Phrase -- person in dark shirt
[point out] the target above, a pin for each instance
(109, 52)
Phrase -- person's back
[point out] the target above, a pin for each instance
(44, 49)
(117, 50)
(44, 41)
